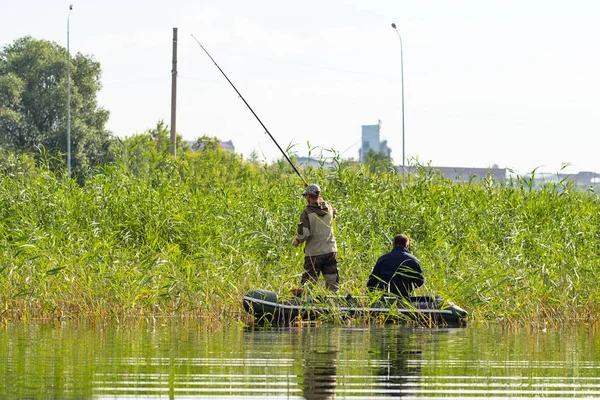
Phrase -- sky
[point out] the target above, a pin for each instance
(512, 83)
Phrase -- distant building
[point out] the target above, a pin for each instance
(304, 162)
(371, 141)
(462, 174)
(227, 146)
(583, 179)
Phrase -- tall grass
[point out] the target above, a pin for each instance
(191, 236)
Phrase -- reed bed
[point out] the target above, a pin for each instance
(190, 236)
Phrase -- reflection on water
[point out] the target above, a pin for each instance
(181, 360)
(396, 354)
(319, 356)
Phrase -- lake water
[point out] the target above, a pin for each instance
(180, 360)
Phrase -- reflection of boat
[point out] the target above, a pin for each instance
(320, 352)
(272, 307)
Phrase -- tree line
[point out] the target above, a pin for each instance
(33, 112)
(33, 103)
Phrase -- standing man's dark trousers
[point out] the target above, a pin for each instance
(325, 264)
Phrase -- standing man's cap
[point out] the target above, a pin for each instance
(313, 189)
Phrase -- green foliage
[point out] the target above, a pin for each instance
(206, 143)
(33, 103)
(378, 161)
(139, 154)
(153, 234)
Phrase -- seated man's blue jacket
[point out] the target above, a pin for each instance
(397, 272)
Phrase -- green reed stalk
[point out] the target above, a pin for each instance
(191, 236)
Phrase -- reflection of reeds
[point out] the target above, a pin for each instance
(191, 236)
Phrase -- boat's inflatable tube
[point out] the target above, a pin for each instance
(271, 307)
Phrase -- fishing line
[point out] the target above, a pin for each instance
(252, 111)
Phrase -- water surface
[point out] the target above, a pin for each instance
(182, 360)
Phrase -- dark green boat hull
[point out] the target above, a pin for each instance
(271, 307)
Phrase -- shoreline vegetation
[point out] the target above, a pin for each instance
(148, 236)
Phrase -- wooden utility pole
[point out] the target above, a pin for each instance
(174, 95)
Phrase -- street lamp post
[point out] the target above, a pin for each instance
(402, 81)
(68, 97)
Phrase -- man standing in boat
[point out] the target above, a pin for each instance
(397, 272)
(316, 231)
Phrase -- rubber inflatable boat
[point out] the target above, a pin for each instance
(271, 307)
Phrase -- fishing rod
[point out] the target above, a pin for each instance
(253, 113)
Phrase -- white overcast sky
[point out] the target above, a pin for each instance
(512, 83)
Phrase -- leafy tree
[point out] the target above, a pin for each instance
(378, 161)
(205, 143)
(33, 103)
(161, 137)
(254, 157)
(208, 154)
(143, 152)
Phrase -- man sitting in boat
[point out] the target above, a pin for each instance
(397, 272)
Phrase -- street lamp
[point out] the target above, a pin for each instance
(68, 97)
(402, 79)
